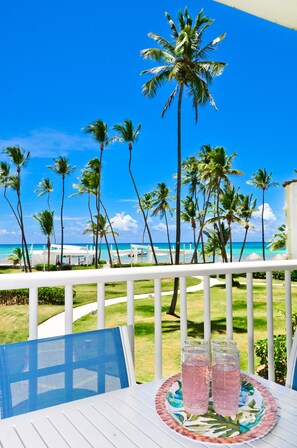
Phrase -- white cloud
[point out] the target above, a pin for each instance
(162, 227)
(268, 213)
(50, 142)
(124, 222)
(6, 232)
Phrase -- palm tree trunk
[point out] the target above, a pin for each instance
(168, 237)
(24, 242)
(202, 225)
(48, 254)
(112, 232)
(108, 249)
(223, 248)
(97, 258)
(262, 220)
(91, 216)
(61, 221)
(194, 233)
(171, 309)
(230, 238)
(243, 244)
(49, 209)
(140, 206)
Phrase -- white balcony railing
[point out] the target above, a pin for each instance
(100, 277)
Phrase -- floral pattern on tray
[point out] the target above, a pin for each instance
(256, 416)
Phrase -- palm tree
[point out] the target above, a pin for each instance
(230, 204)
(146, 202)
(189, 214)
(104, 230)
(214, 243)
(127, 134)
(261, 179)
(161, 206)
(45, 186)
(46, 221)
(98, 129)
(217, 170)
(184, 62)
(19, 159)
(278, 241)
(62, 168)
(247, 206)
(16, 256)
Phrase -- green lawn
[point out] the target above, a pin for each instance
(14, 322)
(144, 324)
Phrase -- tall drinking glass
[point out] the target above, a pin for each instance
(195, 376)
(226, 379)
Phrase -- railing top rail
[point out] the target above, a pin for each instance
(39, 279)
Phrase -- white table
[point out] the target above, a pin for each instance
(127, 419)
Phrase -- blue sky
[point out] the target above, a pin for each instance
(65, 64)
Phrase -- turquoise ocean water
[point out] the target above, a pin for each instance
(250, 247)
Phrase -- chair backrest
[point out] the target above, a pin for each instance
(291, 380)
(41, 373)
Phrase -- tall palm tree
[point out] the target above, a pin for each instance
(217, 171)
(247, 206)
(45, 186)
(189, 214)
(160, 206)
(19, 158)
(46, 221)
(128, 134)
(98, 129)
(62, 168)
(261, 179)
(183, 62)
(214, 243)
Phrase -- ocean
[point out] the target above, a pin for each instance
(250, 248)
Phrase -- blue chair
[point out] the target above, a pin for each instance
(45, 372)
(291, 380)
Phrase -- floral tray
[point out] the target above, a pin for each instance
(256, 416)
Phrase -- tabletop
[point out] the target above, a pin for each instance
(127, 419)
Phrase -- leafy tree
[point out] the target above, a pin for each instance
(19, 158)
(98, 129)
(62, 168)
(214, 242)
(247, 206)
(46, 187)
(46, 221)
(146, 202)
(16, 256)
(278, 241)
(160, 206)
(230, 203)
(189, 214)
(261, 179)
(217, 172)
(183, 62)
(127, 134)
(103, 231)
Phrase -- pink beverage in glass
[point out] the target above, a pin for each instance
(195, 377)
(226, 380)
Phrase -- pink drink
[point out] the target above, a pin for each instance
(195, 385)
(226, 384)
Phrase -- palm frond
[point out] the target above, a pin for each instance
(169, 100)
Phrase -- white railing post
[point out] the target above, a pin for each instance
(229, 312)
(183, 311)
(130, 309)
(250, 322)
(68, 309)
(207, 321)
(288, 295)
(269, 300)
(158, 328)
(33, 313)
(100, 306)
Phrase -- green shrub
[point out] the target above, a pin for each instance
(280, 354)
(46, 296)
(41, 267)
